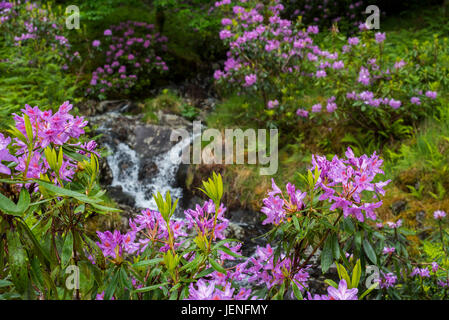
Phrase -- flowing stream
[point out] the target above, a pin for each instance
(164, 180)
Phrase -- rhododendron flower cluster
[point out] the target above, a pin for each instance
(202, 219)
(48, 129)
(5, 154)
(6, 10)
(274, 58)
(130, 51)
(276, 205)
(340, 293)
(387, 280)
(113, 244)
(344, 180)
(265, 270)
(207, 290)
(30, 21)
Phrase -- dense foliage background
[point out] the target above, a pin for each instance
(363, 124)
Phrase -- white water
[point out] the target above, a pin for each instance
(167, 166)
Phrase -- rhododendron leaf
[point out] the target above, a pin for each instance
(356, 274)
(32, 242)
(358, 241)
(331, 283)
(348, 226)
(150, 288)
(297, 291)
(204, 273)
(104, 208)
(335, 247)
(190, 266)
(371, 288)
(19, 135)
(280, 294)
(5, 283)
(74, 155)
(222, 242)
(112, 285)
(80, 209)
(67, 249)
(231, 253)
(24, 200)
(60, 159)
(326, 255)
(329, 225)
(217, 266)
(9, 207)
(369, 251)
(65, 192)
(146, 263)
(28, 128)
(296, 223)
(17, 261)
(343, 274)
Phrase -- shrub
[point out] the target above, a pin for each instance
(297, 79)
(131, 54)
(49, 191)
(36, 56)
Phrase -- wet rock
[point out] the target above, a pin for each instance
(121, 196)
(140, 162)
(181, 175)
(398, 206)
(147, 170)
(105, 173)
(151, 140)
(116, 106)
(172, 120)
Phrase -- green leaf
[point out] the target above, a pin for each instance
(348, 226)
(112, 285)
(326, 255)
(373, 286)
(297, 292)
(67, 249)
(7, 206)
(105, 208)
(217, 266)
(150, 288)
(335, 247)
(62, 191)
(28, 236)
(343, 274)
(229, 252)
(5, 283)
(146, 263)
(356, 274)
(369, 251)
(222, 242)
(28, 128)
(17, 262)
(24, 200)
(331, 283)
(204, 273)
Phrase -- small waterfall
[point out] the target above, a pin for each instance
(125, 163)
